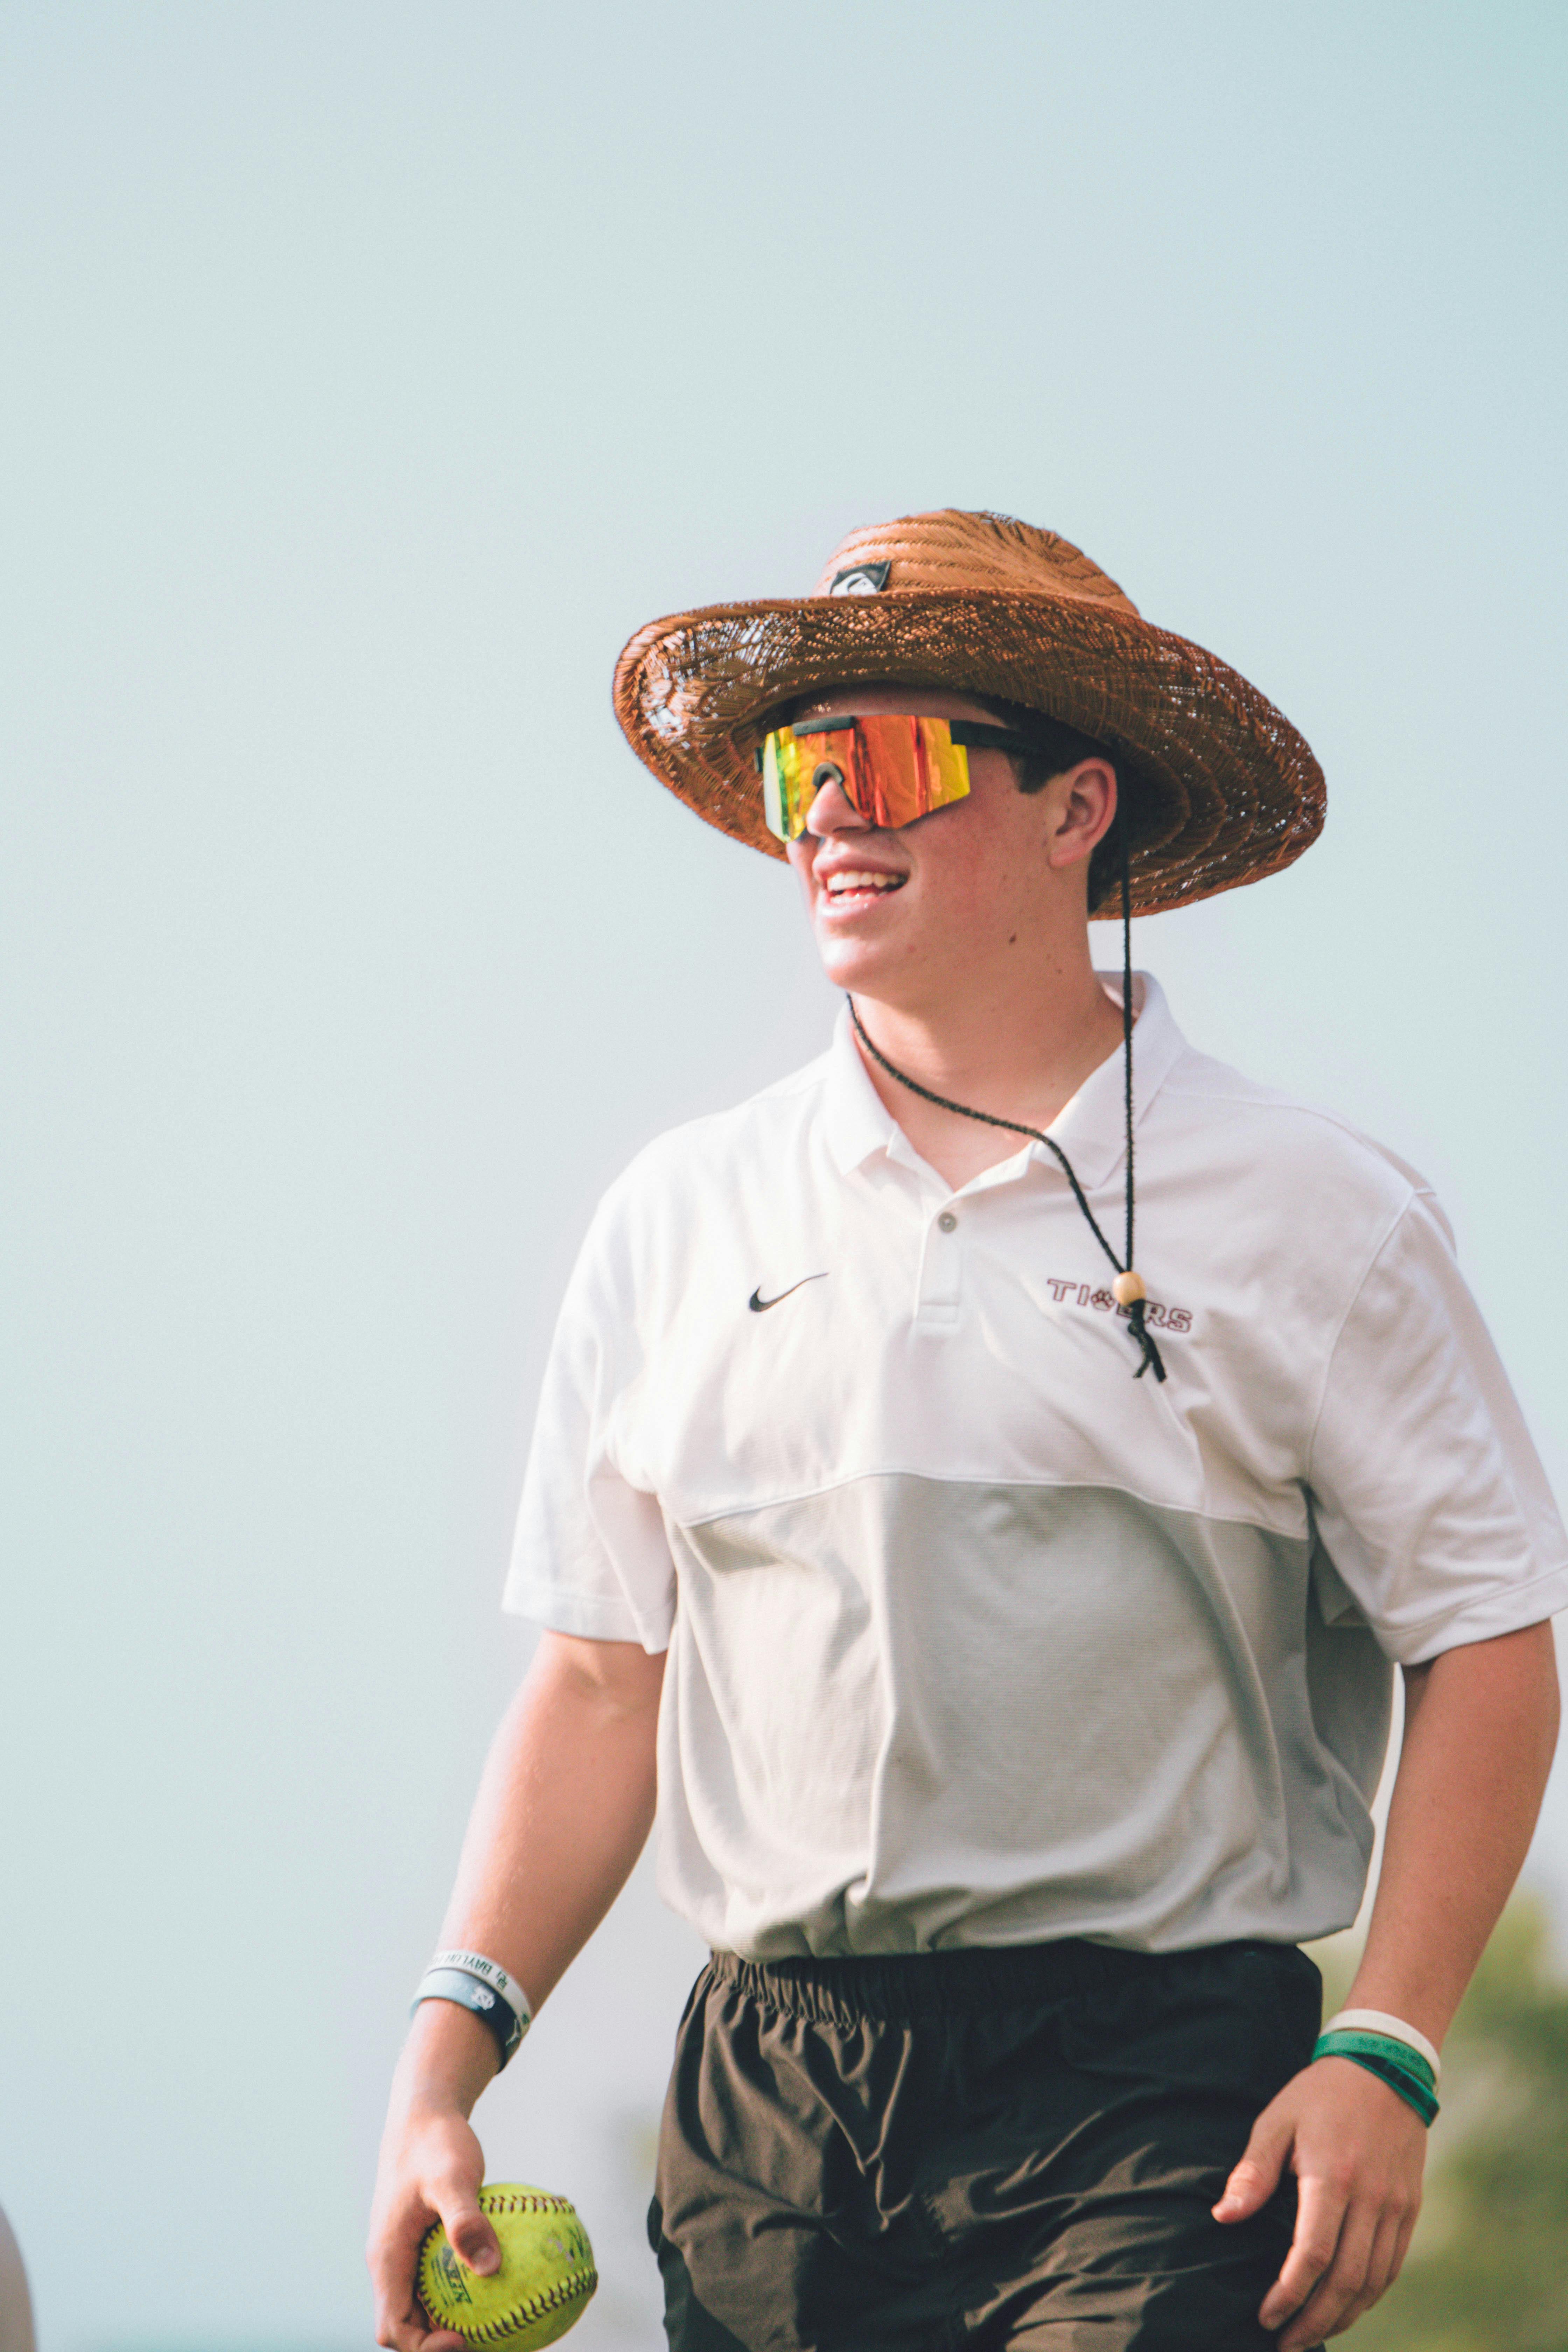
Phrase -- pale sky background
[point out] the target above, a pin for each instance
(369, 374)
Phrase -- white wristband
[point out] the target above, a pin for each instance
(491, 1973)
(1377, 2020)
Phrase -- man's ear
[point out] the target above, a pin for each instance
(1083, 809)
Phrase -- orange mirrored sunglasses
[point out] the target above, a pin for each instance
(892, 768)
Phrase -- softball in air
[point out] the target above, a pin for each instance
(543, 2286)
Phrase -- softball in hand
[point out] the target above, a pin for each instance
(543, 2286)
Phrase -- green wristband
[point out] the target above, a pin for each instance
(1405, 2070)
(1364, 2041)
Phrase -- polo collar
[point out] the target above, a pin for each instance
(1090, 1129)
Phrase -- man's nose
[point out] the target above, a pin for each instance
(833, 811)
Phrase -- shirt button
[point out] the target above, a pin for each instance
(948, 1221)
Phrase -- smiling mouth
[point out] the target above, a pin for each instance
(849, 882)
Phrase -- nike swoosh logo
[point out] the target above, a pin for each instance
(760, 1306)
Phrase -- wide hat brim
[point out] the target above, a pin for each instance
(1220, 788)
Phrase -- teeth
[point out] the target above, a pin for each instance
(845, 881)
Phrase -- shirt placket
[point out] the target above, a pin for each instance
(939, 1291)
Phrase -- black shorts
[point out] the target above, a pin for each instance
(975, 2149)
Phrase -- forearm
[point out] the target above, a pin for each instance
(1480, 1724)
(563, 1810)
(1480, 1730)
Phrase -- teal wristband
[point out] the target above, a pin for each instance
(1394, 2062)
(1365, 2041)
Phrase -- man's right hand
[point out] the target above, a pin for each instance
(431, 2170)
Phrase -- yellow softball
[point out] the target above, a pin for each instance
(543, 2286)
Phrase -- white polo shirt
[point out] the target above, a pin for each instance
(973, 1638)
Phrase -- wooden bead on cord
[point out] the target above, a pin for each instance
(1127, 1287)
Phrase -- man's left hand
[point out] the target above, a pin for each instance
(1357, 2151)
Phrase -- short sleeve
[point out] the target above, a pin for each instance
(1429, 1495)
(590, 1554)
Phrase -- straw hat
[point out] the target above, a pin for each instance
(1220, 788)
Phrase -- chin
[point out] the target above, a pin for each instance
(853, 964)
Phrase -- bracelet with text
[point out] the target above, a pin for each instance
(1403, 2068)
(491, 1973)
(468, 1991)
(1377, 2020)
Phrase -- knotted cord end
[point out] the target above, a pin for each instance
(1144, 1337)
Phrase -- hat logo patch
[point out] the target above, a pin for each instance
(860, 580)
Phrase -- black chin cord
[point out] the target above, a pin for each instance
(1130, 1280)
(1128, 1288)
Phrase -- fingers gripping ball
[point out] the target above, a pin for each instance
(543, 2286)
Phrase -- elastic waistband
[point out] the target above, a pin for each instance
(976, 1979)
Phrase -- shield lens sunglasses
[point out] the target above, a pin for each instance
(892, 768)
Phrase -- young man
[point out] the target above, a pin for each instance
(998, 1547)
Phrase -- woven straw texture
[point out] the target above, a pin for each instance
(1221, 789)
